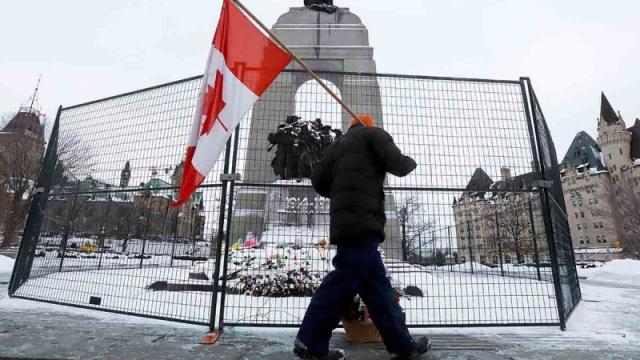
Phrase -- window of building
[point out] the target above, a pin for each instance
(581, 242)
(620, 151)
(507, 259)
(604, 239)
(590, 201)
(585, 226)
(586, 240)
(577, 215)
(609, 156)
(581, 214)
(595, 200)
(579, 226)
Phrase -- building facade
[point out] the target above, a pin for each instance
(592, 172)
(100, 212)
(500, 222)
(21, 152)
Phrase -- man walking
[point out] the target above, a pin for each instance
(352, 175)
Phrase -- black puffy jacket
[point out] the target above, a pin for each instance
(352, 175)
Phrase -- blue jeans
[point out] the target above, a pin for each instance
(358, 270)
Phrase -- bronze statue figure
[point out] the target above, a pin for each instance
(299, 146)
(321, 5)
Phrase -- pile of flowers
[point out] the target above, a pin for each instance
(278, 272)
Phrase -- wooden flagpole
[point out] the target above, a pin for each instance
(297, 59)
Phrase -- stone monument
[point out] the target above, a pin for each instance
(325, 41)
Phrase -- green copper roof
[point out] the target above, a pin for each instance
(583, 150)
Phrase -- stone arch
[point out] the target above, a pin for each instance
(312, 101)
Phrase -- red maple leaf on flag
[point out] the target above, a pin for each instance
(213, 105)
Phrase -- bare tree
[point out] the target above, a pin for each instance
(20, 163)
(75, 158)
(414, 225)
(514, 224)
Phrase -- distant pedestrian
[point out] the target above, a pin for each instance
(352, 174)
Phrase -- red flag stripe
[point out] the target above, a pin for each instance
(247, 48)
(191, 179)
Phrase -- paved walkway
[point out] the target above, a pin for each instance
(35, 330)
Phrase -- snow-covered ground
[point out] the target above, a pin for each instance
(608, 318)
(452, 294)
(615, 272)
(6, 264)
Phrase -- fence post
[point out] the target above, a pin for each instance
(228, 235)
(103, 232)
(144, 233)
(420, 248)
(470, 245)
(546, 208)
(499, 239)
(216, 272)
(536, 256)
(404, 241)
(175, 237)
(67, 228)
(31, 234)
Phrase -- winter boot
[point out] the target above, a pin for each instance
(420, 346)
(303, 352)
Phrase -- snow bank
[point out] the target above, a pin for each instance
(625, 271)
(6, 264)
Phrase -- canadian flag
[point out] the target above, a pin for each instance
(242, 63)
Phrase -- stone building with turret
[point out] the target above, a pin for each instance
(21, 151)
(591, 172)
(499, 222)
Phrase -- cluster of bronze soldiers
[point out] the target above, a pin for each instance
(299, 146)
(321, 5)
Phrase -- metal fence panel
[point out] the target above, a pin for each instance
(109, 238)
(567, 272)
(465, 238)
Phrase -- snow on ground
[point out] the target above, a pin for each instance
(625, 271)
(6, 264)
(608, 312)
(451, 296)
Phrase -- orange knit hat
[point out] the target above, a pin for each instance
(364, 118)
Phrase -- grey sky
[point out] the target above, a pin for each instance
(571, 49)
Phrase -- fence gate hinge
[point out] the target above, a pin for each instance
(230, 177)
(543, 184)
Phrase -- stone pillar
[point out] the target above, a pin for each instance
(326, 42)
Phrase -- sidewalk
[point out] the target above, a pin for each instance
(36, 330)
